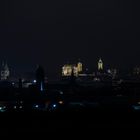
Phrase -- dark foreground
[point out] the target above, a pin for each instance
(68, 121)
(72, 111)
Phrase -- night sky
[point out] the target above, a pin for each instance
(52, 33)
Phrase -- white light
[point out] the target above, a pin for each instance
(41, 88)
(54, 105)
(34, 81)
(36, 106)
(20, 107)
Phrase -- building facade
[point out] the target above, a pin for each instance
(68, 68)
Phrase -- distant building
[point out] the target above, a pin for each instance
(40, 78)
(80, 67)
(5, 72)
(112, 73)
(68, 68)
(136, 71)
(100, 65)
(100, 75)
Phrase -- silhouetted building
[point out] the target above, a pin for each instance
(72, 78)
(112, 73)
(136, 71)
(5, 73)
(40, 78)
(20, 83)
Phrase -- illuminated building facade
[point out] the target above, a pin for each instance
(99, 75)
(68, 68)
(80, 67)
(5, 73)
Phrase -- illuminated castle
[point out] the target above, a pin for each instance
(5, 73)
(68, 68)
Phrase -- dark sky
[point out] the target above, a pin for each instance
(54, 32)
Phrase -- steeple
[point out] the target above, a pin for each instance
(100, 64)
(5, 73)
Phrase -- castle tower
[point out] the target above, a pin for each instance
(5, 73)
(100, 64)
(80, 67)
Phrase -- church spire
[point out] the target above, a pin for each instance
(100, 64)
(5, 73)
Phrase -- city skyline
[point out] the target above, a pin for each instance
(68, 65)
(100, 64)
(52, 33)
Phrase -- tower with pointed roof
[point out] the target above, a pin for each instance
(100, 64)
(5, 72)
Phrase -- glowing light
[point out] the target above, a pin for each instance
(61, 92)
(36, 106)
(41, 88)
(139, 103)
(60, 102)
(136, 107)
(21, 102)
(13, 83)
(34, 81)
(2, 109)
(20, 107)
(80, 67)
(54, 105)
(68, 68)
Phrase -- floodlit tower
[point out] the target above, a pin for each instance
(80, 67)
(100, 64)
